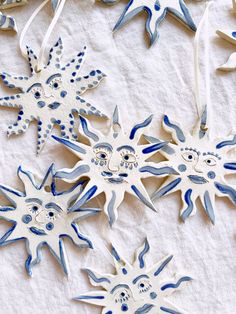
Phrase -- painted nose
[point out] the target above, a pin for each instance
(198, 167)
(40, 217)
(113, 164)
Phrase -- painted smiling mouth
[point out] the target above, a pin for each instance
(37, 231)
(115, 180)
(197, 179)
(109, 177)
(144, 309)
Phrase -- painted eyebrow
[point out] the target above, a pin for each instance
(52, 77)
(139, 277)
(211, 154)
(34, 200)
(119, 286)
(34, 85)
(126, 147)
(192, 150)
(104, 145)
(54, 206)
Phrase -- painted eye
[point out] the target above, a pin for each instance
(144, 286)
(122, 296)
(210, 161)
(102, 155)
(55, 83)
(52, 215)
(37, 95)
(34, 208)
(129, 158)
(189, 157)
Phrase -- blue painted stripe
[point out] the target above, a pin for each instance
(87, 132)
(81, 237)
(188, 201)
(167, 149)
(115, 254)
(158, 171)
(165, 309)
(142, 197)
(110, 209)
(144, 124)
(208, 207)
(227, 190)
(178, 131)
(62, 257)
(176, 285)
(163, 265)
(88, 297)
(68, 143)
(95, 278)
(87, 196)
(226, 143)
(230, 165)
(166, 188)
(75, 174)
(142, 254)
(154, 148)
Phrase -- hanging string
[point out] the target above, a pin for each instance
(197, 73)
(47, 35)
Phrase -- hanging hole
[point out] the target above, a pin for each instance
(47, 188)
(116, 127)
(37, 70)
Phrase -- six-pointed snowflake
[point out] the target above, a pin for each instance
(156, 10)
(42, 217)
(134, 289)
(51, 96)
(202, 164)
(114, 163)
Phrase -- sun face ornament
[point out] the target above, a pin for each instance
(51, 96)
(41, 218)
(134, 289)
(114, 164)
(202, 164)
(156, 11)
(7, 22)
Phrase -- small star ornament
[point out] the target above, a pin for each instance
(40, 216)
(134, 289)
(51, 96)
(156, 11)
(114, 164)
(202, 164)
(8, 22)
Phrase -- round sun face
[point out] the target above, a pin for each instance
(52, 95)
(134, 288)
(115, 163)
(41, 216)
(202, 164)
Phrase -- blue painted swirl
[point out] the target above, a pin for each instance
(110, 209)
(208, 207)
(189, 209)
(95, 278)
(179, 133)
(87, 132)
(176, 285)
(226, 143)
(70, 144)
(142, 254)
(158, 171)
(163, 265)
(227, 190)
(166, 188)
(144, 124)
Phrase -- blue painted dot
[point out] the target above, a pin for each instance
(157, 7)
(49, 226)
(211, 175)
(26, 219)
(109, 312)
(182, 168)
(153, 295)
(124, 308)
(41, 104)
(234, 34)
(124, 271)
(63, 94)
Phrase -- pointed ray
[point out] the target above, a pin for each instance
(228, 35)
(116, 125)
(11, 236)
(183, 14)
(174, 129)
(11, 101)
(86, 129)
(160, 266)
(96, 298)
(166, 150)
(78, 149)
(167, 307)
(55, 54)
(226, 190)
(86, 108)
(230, 65)
(44, 132)
(13, 81)
(97, 280)
(57, 248)
(33, 60)
(136, 131)
(27, 178)
(140, 192)
(83, 213)
(76, 63)
(113, 201)
(35, 256)
(208, 201)
(152, 170)
(11, 194)
(186, 212)
(169, 186)
(71, 175)
(7, 23)
(141, 254)
(230, 166)
(80, 239)
(153, 148)
(89, 81)
(120, 263)
(19, 127)
(229, 142)
(170, 286)
(7, 213)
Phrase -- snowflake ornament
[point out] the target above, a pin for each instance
(114, 163)
(51, 96)
(156, 10)
(41, 216)
(202, 164)
(8, 22)
(134, 289)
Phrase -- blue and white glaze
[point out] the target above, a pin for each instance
(7, 22)
(202, 164)
(134, 289)
(115, 163)
(156, 11)
(40, 217)
(51, 96)
(230, 36)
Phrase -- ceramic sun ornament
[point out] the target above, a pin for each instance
(51, 96)
(114, 163)
(40, 216)
(202, 164)
(8, 22)
(134, 289)
(156, 10)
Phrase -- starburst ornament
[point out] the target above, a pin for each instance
(202, 164)
(134, 289)
(51, 96)
(7, 22)
(41, 217)
(156, 10)
(114, 163)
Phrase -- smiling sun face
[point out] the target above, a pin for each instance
(41, 217)
(114, 163)
(51, 96)
(134, 289)
(202, 164)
